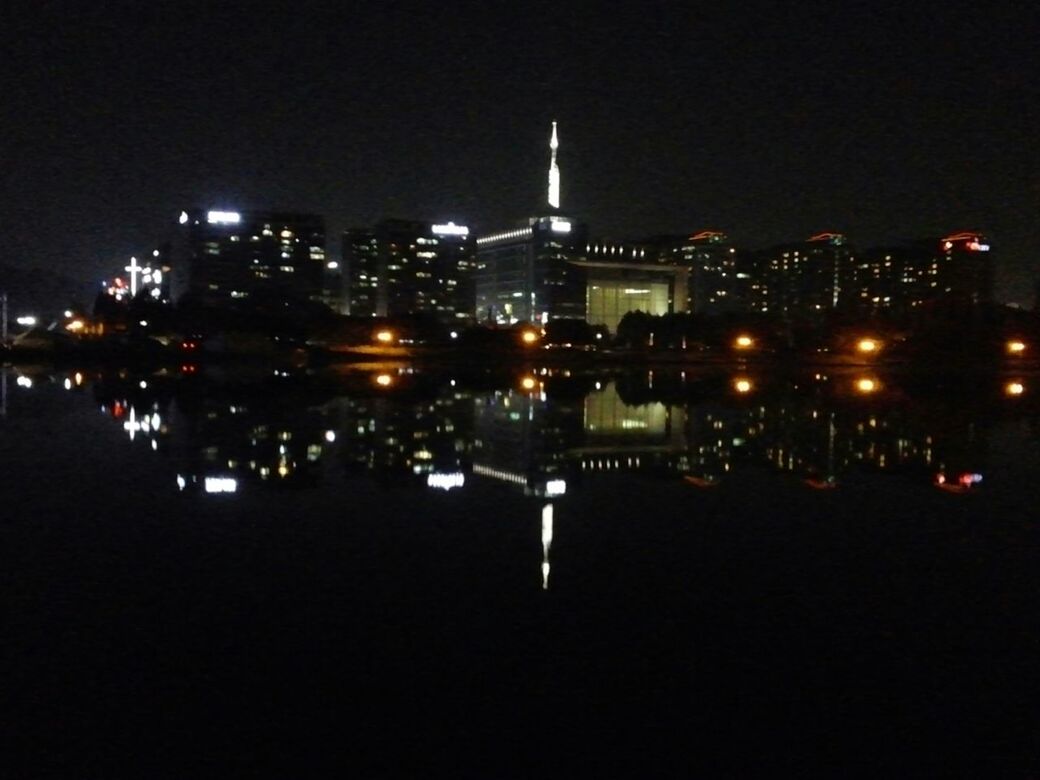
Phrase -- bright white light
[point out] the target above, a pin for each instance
(155, 445)
(180, 482)
(68, 383)
(23, 381)
(560, 227)
(332, 265)
(223, 217)
(144, 323)
(143, 385)
(554, 174)
(220, 485)
(555, 487)
(446, 481)
(451, 229)
(183, 218)
(28, 321)
(547, 537)
(454, 334)
(330, 436)
(68, 312)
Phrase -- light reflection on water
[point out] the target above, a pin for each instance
(542, 431)
(725, 542)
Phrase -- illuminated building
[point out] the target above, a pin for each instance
(700, 273)
(528, 273)
(901, 278)
(408, 267)
(721, 276)
(625, 276)
(255, 256)
(806, 279)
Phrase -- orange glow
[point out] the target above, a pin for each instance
(867, 345)
(529, 337)
(384, 380)
(528, 383)
(385, 336)
(1014, 388)
(743, 342)
(866, 385)
(75, 326)
(1016, 347)
(742, 385)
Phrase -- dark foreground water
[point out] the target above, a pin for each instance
(407, 572)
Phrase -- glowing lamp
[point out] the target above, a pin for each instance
(75, 326)
(1016, 347)
(385, 336)
(866, 385)
(1014, 388)
(528, 383)
(742, 385)
(384, 380)
(743, 342)
(529, 337)
(867, 346)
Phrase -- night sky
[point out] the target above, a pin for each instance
(770, 121)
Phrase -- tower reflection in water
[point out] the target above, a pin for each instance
(548, 433)
(543, 431)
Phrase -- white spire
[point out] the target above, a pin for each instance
(554, 171)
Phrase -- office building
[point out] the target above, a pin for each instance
(403, 267)
(528, 273)
(253, 256)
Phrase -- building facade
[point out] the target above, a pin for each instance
(255, 256)
(805, 280)
(403, 267)
(529, 274)
(899, 279)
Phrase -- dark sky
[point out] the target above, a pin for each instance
(770, 121)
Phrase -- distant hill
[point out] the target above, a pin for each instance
(42, 293)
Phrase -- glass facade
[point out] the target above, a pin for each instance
(609, 301)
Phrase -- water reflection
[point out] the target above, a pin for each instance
(546, 432)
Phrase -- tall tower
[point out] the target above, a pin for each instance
(554, 171)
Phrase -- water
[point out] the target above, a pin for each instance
(408, 570)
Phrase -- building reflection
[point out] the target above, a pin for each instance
(547, 433)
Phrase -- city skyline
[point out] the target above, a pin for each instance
(883, 124)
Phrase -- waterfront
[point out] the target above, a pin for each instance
(400, 568)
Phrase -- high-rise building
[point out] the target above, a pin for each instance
(721, 275)
(901, 278)
(805, 280)
(528, 273)
(409, 267)
(255, 256)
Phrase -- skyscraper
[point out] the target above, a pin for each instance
(527, 273)
(254, 256)
(805, 280)
(405, 267)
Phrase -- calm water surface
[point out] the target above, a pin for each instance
(408, 571)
